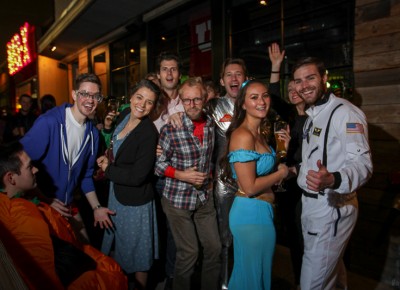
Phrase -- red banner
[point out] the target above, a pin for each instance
(200, 54)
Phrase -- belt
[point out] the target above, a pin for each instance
(313, 195)
(262, 197)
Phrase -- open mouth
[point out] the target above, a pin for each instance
(88, 107)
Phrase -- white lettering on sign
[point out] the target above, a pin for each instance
(201, 31)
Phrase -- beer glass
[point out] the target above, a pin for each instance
(113, 105)
(280, 148)
(280, 144)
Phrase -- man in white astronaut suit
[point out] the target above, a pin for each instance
(336, 161)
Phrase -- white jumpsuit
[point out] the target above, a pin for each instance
(327, 225)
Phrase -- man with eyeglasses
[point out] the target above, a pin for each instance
(63, 144)
(187, 198)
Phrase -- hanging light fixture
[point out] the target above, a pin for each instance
(263, 2)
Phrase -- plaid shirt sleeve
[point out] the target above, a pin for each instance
(163, 161)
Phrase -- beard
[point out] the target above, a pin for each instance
(317, 93)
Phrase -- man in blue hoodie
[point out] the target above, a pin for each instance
(63, 144)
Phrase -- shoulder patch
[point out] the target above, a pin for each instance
(354, 128)
(226, 118)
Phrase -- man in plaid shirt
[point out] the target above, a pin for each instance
(187, 197)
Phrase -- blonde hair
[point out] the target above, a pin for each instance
(194, 82)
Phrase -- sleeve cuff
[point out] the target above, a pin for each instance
(170, 172)
(338, 180)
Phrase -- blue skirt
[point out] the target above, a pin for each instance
(252, 227)
(135, 233)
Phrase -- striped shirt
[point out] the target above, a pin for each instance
(183, 150)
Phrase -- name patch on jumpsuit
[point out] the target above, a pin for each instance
(317, 131)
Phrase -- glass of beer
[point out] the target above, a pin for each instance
(113, 105)
(280, 144)
(280, 147)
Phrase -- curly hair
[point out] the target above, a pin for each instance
(237, 120)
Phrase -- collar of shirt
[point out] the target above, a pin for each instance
(321, 104)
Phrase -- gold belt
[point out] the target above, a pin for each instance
(263, 196)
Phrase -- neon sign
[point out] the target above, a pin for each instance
(20, 49)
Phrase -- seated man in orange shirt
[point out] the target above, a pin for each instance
(40, 242)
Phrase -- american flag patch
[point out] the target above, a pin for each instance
(354, 128)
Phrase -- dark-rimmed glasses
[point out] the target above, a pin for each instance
(85, 95)
(196, 101)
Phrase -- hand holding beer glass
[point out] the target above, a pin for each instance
(280, 147)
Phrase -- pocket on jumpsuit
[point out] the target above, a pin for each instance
(311, 240)
(312, 234)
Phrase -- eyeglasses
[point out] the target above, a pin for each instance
(85, 95)
(196, 101)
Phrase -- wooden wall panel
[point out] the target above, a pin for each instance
(379, 95)
(377, 77)
(377, 27)
(382, 113)
(395, 10)
(360, 3)
(377, 61)
(379, 44)
(372, 11)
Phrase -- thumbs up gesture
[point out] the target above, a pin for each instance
(321, 179)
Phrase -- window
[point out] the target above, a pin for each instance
(311, 28)
(125, 66)
(187, 32)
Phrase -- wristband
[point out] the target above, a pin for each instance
(97, 207)
(275, 72)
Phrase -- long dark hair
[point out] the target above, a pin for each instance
(237, 120)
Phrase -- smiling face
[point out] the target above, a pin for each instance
(256, 101)
(232, 79)
(85, 107)
(294, 97)
(142, 102)
(309, 84)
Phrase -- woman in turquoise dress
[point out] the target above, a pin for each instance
(250, 161)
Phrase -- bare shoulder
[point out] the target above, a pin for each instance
(242, 139)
